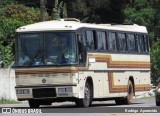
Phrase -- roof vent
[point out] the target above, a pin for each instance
(70, 19)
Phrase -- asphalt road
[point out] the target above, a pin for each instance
(105, 108)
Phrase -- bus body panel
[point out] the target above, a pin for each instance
(108, 71)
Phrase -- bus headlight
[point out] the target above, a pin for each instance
(69, 89)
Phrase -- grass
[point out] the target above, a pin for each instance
(5, 101)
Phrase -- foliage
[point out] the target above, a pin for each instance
(7, 34)
(5, 101)
(59, 10)
(13, 16)
(142, 12)
(3, 3)
(22, 13)
(155, 60)
(30, 3)
(139, 15)
(64, 11)
(6, 2)
(93, 9)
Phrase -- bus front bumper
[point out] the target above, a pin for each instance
(47, 92)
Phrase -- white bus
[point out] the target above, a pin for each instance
(58, 61)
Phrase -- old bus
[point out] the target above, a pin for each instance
(66, 60)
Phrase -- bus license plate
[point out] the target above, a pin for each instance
(22, 91)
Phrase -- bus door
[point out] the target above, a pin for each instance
(81, 54)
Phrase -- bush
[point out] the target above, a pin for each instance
(7, 36)
(22, 13)
(155, 60)
(13, 16)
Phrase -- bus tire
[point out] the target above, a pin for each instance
(34, 103)
(86, 101)
(129, 99)
(157, 103)
(119, 101)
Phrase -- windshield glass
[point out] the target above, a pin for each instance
(54, 48)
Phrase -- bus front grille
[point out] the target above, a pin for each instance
(44, 92)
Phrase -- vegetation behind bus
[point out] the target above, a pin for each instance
(13, 16)
(133, 11)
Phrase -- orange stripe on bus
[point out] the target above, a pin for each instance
(123, 88)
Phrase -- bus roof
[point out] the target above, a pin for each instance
(74, 25)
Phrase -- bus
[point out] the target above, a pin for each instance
(66, 60)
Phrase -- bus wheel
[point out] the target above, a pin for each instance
(119, 101)
(34, 103)
(129, 98)
(86, 101)
(157, 103)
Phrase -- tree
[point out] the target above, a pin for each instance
(93, 11)
(6, 2)
(156, 6)
(155, 61)
(97, 11)
(22, 13)
(30, 3)
(143, 12)
(59, 10)
(7, 35)
(64, 10)
(13, 16)
(140, 12)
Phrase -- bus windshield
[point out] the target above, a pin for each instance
(52, 48)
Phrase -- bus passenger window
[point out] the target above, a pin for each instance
(81, 49)
(104, 40)
(146, 43)
(131, 43)
(140, 43)
(80, 44)
(112, 46)
(101, 40)
(122, 42)
(90, 40)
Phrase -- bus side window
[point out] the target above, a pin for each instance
(146, 43)
(141, 43)
(101, 40)
(90, 40)
(112, 45)
(131, 42)
(122, 42)
(81, 49)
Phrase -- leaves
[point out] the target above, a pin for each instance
(58, 10)
(13, 16)
(7, 35)
(155, 60)
(22, 13)
(144, 12)
(143, 16)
